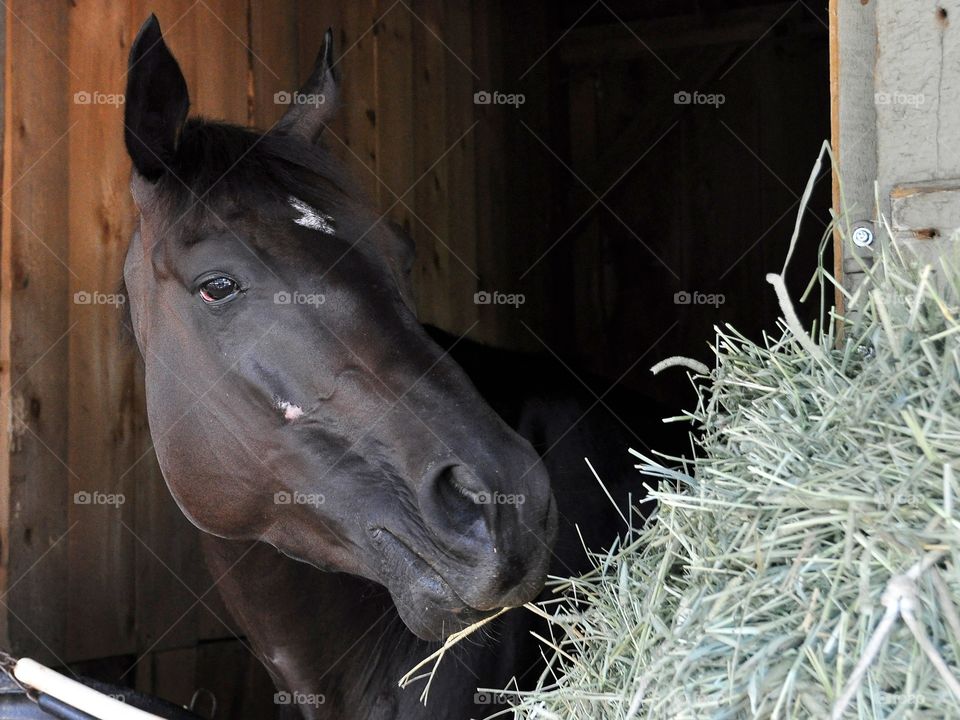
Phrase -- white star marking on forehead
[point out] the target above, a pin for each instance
(311, 217)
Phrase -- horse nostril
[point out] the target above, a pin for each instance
(460, 499)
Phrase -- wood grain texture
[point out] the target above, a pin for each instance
(395, 112)
(107, 432)
(917, 102)
(430, 144)
(274, 59)
(36, 290)
(853, 55)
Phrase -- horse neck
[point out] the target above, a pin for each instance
(329, 634)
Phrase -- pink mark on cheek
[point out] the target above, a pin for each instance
(290, 411)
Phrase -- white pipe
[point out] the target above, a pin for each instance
(48, 682)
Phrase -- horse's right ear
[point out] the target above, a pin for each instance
(156, 103)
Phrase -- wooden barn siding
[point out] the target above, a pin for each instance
(84, 581)
(36, 286)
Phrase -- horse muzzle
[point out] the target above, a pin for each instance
(476, 548)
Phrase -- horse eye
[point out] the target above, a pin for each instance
(218, 288)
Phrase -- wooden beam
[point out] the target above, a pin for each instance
(853, 120)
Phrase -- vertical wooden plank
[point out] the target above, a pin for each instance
(274, 59)
(460, 241)
(359, 108)
(433, 262)
(5, 225)
(490, 168)
(853, 117)
(225, 64)
(395, 112)
(106, 434)
(35, 290)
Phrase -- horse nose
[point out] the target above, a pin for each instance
(492, 522)
(458, 506)
(500, 529)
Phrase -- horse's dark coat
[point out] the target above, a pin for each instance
(393, 448)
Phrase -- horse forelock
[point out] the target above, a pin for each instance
(217, 161)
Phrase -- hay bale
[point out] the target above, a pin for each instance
(805, 562)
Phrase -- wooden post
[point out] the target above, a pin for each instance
(853, 123)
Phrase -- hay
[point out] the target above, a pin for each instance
(805, 562)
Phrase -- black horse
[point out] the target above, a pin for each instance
(361, 496)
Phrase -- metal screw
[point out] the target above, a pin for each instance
(863, 237)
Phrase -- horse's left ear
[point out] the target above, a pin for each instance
(315, 104)
(156, 102)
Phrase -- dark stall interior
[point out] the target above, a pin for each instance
(675, 142)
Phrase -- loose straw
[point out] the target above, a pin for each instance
(437, 655)
(680, 361)
(790, 316)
